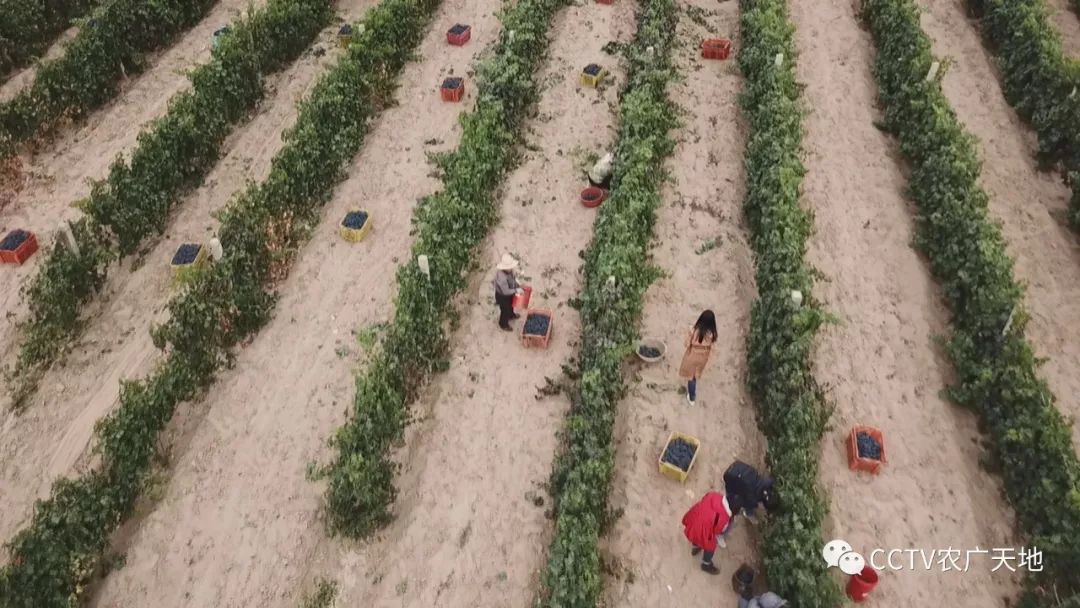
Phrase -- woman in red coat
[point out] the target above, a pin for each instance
(705, 525)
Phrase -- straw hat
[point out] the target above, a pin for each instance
(507, 262)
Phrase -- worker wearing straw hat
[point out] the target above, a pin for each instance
(506, 286)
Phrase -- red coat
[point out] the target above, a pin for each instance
(705, 520)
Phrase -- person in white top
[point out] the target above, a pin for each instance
(506, 287)
(600, 173)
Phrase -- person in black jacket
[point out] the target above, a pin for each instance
(746, 489)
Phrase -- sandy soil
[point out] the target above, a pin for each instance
(880, 361)
(472, 508)
(1030, 205)
(1065, 19)
(238, 520)
(60, 174)
(54, 432)
(25, 77)
(649, 555)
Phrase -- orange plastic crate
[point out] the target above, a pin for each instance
(22, 252)
(532, 340)
(715, 48)
(858, 463)
(459, 34)
(452, 89)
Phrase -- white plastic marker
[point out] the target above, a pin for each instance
(422, 262)
(934, 67)
(779, 60)
(67, 237)
(796, 297)
(216, 250)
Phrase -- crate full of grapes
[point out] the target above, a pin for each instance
(679, 455)
(355, 225)
(17, 246)
(188, 257)
(866, 449)
(536, 330)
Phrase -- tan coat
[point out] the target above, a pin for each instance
(696, 356)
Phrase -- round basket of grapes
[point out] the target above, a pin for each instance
(651, 350)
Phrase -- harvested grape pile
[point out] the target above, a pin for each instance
(13, 239)
(451, 83)
(354, 220)
(868, 446)
(592, 69)
(345, 30)
(186, 254)
(679, 453)
(458, 29)
(537, 325)
(648, 352)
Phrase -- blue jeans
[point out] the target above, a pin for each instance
(691, 389)
(706, 557)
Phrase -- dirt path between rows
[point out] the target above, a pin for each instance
(238, 520)
(1030, 205)
(1063, 17)
(880, 361)
(56, 429)
(701, 244)
(471, 526)
(61, 173)
(25, 77)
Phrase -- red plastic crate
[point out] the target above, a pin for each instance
(856, 462)
(452, 89)
(715, 48)
(459, 34)
(521, 300)
(593, 196)
(21, 253)
(534, 341)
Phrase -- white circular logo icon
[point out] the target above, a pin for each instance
(833, 550)
(852, 563)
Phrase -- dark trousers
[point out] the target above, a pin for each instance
(506, 309)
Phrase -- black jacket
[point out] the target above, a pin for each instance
(744, 486)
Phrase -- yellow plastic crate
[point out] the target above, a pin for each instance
(671, 470)
(592, 75)
(355, 235)
(181, 272)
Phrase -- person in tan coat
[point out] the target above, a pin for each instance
(698, 343)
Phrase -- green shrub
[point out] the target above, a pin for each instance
(611, 312)
(449, 226)
(995, 367)
(261, 231)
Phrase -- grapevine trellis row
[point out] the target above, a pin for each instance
(27, 27)
(173, 156)
(115, 41)
(785, 318)
(263, 227)
(450, 225)
(995, 367)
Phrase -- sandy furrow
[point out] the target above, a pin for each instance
(1063, 16)
(238, 519)
(703, 206)
(54, 432)
(471, 527)
(1030, 205)
(25, 77)
(61, 173)
(880, 360)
